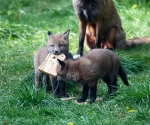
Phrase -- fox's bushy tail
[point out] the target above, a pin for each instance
(123, 75)
(137, 41)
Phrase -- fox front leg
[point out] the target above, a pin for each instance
(98, 34)
(82, 27)
(85, 91)
(55, 86)
(62, 86)
(92, 94)
(93, 89)
(46, 82)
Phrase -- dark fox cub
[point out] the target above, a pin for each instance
(57, 43)
(97, 63)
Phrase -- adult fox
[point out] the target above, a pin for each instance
(100, 26)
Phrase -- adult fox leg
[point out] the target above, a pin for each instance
(90, 37)
(120, 39)
(82, 27)
(110, 39)
(98, 34)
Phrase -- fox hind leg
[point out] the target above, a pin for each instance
(111, 83)
(110, 39)
(120, 39)
(37, 80)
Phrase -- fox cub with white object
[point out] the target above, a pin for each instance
(57, 43)
(97, 63)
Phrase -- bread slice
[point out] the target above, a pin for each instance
(50, 64)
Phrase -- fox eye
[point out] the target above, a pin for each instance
(60, 45)
(52, 45)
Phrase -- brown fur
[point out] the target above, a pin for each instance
(137, 41)
(100, 25)
(97, 63)
(57, 43)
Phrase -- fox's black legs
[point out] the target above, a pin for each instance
(58, 87)
(46, 83)
(111, 83)
(85, 92)
(81, 37)
(114, 84)
(93, 94)
(98, 35)
(54, 84)
(62, 86)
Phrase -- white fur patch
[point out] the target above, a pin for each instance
(85, 13)
(77, 56)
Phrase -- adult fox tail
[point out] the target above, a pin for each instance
(137, 41)
(123, 75)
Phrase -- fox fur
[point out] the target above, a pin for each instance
(97, 63)
(57, 43)
(100, 26)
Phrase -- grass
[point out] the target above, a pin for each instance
(23, 29)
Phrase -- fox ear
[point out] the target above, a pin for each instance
(61, 63)
(49, 33)
(66, 34)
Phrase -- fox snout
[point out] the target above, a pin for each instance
(56, 52)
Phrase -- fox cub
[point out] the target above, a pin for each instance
(57, 43)
(97, 63)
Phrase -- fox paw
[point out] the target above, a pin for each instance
(61, 95)
(64, 95)
(80, 100)
(92, 100)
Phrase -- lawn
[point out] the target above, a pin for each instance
(23, 30)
